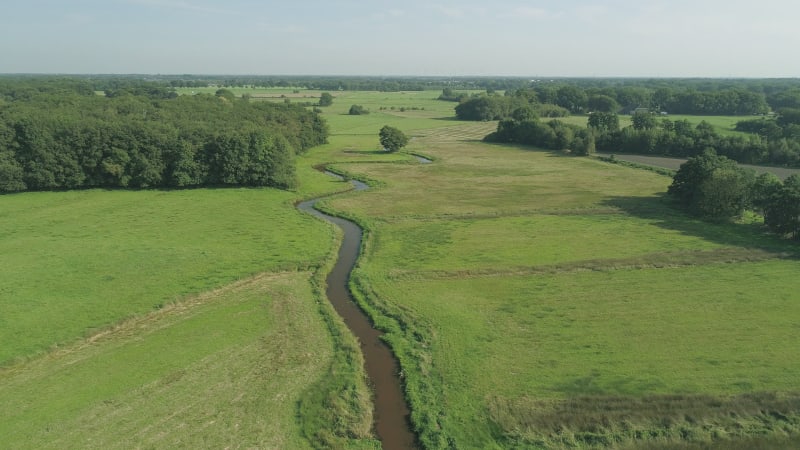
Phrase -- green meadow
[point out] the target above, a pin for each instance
(224, 368)
(534, 300)
(173, 319)
(543, 301)
(87, 259)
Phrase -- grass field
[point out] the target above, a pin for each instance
(168, 319)
(544, 301)
(88, 259)
(535, 300)
(223, 369)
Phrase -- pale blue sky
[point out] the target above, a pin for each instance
(661, 38)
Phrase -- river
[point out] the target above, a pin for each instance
(391, 414)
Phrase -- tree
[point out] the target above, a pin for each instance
(226, 94)
(712, 186)
(357, 110)
(325, 99)
(604, 121)
(766, 185)
(392, 139)
(603, 103)
(524, 113)
(571, 97)
(643, 120)
(782, 213)
(724, 194)
(11, 174)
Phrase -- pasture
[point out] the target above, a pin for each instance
(535, 300)
(223, 368)
(85, 260)
(173, 319)
(528, 292)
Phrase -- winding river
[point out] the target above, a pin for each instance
(391, 414)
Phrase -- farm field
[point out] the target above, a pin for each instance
(88, 259)
(223, 368)
(172, 319)
(87, 272)
(527, 292)
(535, 300)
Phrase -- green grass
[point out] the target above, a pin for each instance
(77, 262)
(547, 242)
(124, 324)
(624, 333)
(476, 179)
(222, 369)
(534, 300)
(725, 125)
(517, 283)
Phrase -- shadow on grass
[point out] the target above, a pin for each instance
(662, 212)
(529, 148)
(367, 152)
(590, 386)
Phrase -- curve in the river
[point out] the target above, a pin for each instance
(391, 415)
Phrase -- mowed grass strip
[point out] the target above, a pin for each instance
(77, 262)
(224, 369)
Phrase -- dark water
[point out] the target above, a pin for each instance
(391, 413)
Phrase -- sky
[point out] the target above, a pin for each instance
(538, 38)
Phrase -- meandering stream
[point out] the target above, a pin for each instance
(391, 415)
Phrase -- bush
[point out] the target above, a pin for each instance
(357, 110)
(325, 99)
(392, 139)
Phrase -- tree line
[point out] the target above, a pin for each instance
(651, 135)
(57, 135)
(526, 129)
(715, 187)
(560, 101)
(772, 141)
(702, 95)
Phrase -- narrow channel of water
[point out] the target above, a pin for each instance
(391, 415)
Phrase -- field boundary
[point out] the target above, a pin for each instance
(657, 260)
